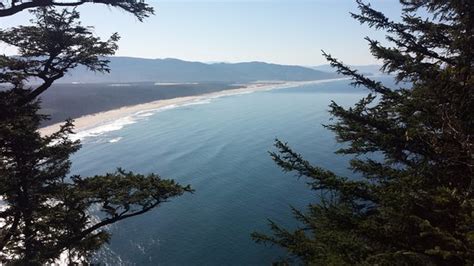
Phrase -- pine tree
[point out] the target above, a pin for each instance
(45, 212)
(414, 205)
(53, 45)
(139, 8)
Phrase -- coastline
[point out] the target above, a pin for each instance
(91, 121)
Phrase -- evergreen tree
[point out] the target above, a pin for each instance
(53, 45)
(139, 8)
(45, 212)
(413, 206)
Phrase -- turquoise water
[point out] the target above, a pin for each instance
(220, 147)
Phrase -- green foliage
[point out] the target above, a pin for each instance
(138, 8)
(54, 44)
(46, 213)
(415, 205)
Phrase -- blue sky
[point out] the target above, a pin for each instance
(277, 31)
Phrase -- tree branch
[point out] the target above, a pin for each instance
(140, 9)
(103, 223)
(36, 92)
(13, 227)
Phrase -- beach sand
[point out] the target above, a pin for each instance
(94, 120)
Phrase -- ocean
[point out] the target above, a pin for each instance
(219, 146)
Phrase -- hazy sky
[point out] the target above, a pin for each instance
(277, 31)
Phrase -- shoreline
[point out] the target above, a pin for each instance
(95, 120)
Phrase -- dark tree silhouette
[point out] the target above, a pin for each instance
(137, 7)
(414, 205)
(45, 212)
(56, 43)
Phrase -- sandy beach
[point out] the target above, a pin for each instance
(94, 120)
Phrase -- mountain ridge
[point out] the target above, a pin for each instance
(133, 69)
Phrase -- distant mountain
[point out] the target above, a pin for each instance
(129, 69)
(366, 69)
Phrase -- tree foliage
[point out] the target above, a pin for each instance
(47, 50)
(414, 205)
(45, 212)
(138, 8)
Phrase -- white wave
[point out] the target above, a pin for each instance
(119, 85)
(145, 114)
(197, 102)
(175, 83)
(118, 124)
(104, 128)
(115, 140)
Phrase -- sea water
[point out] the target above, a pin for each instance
(220, 147)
